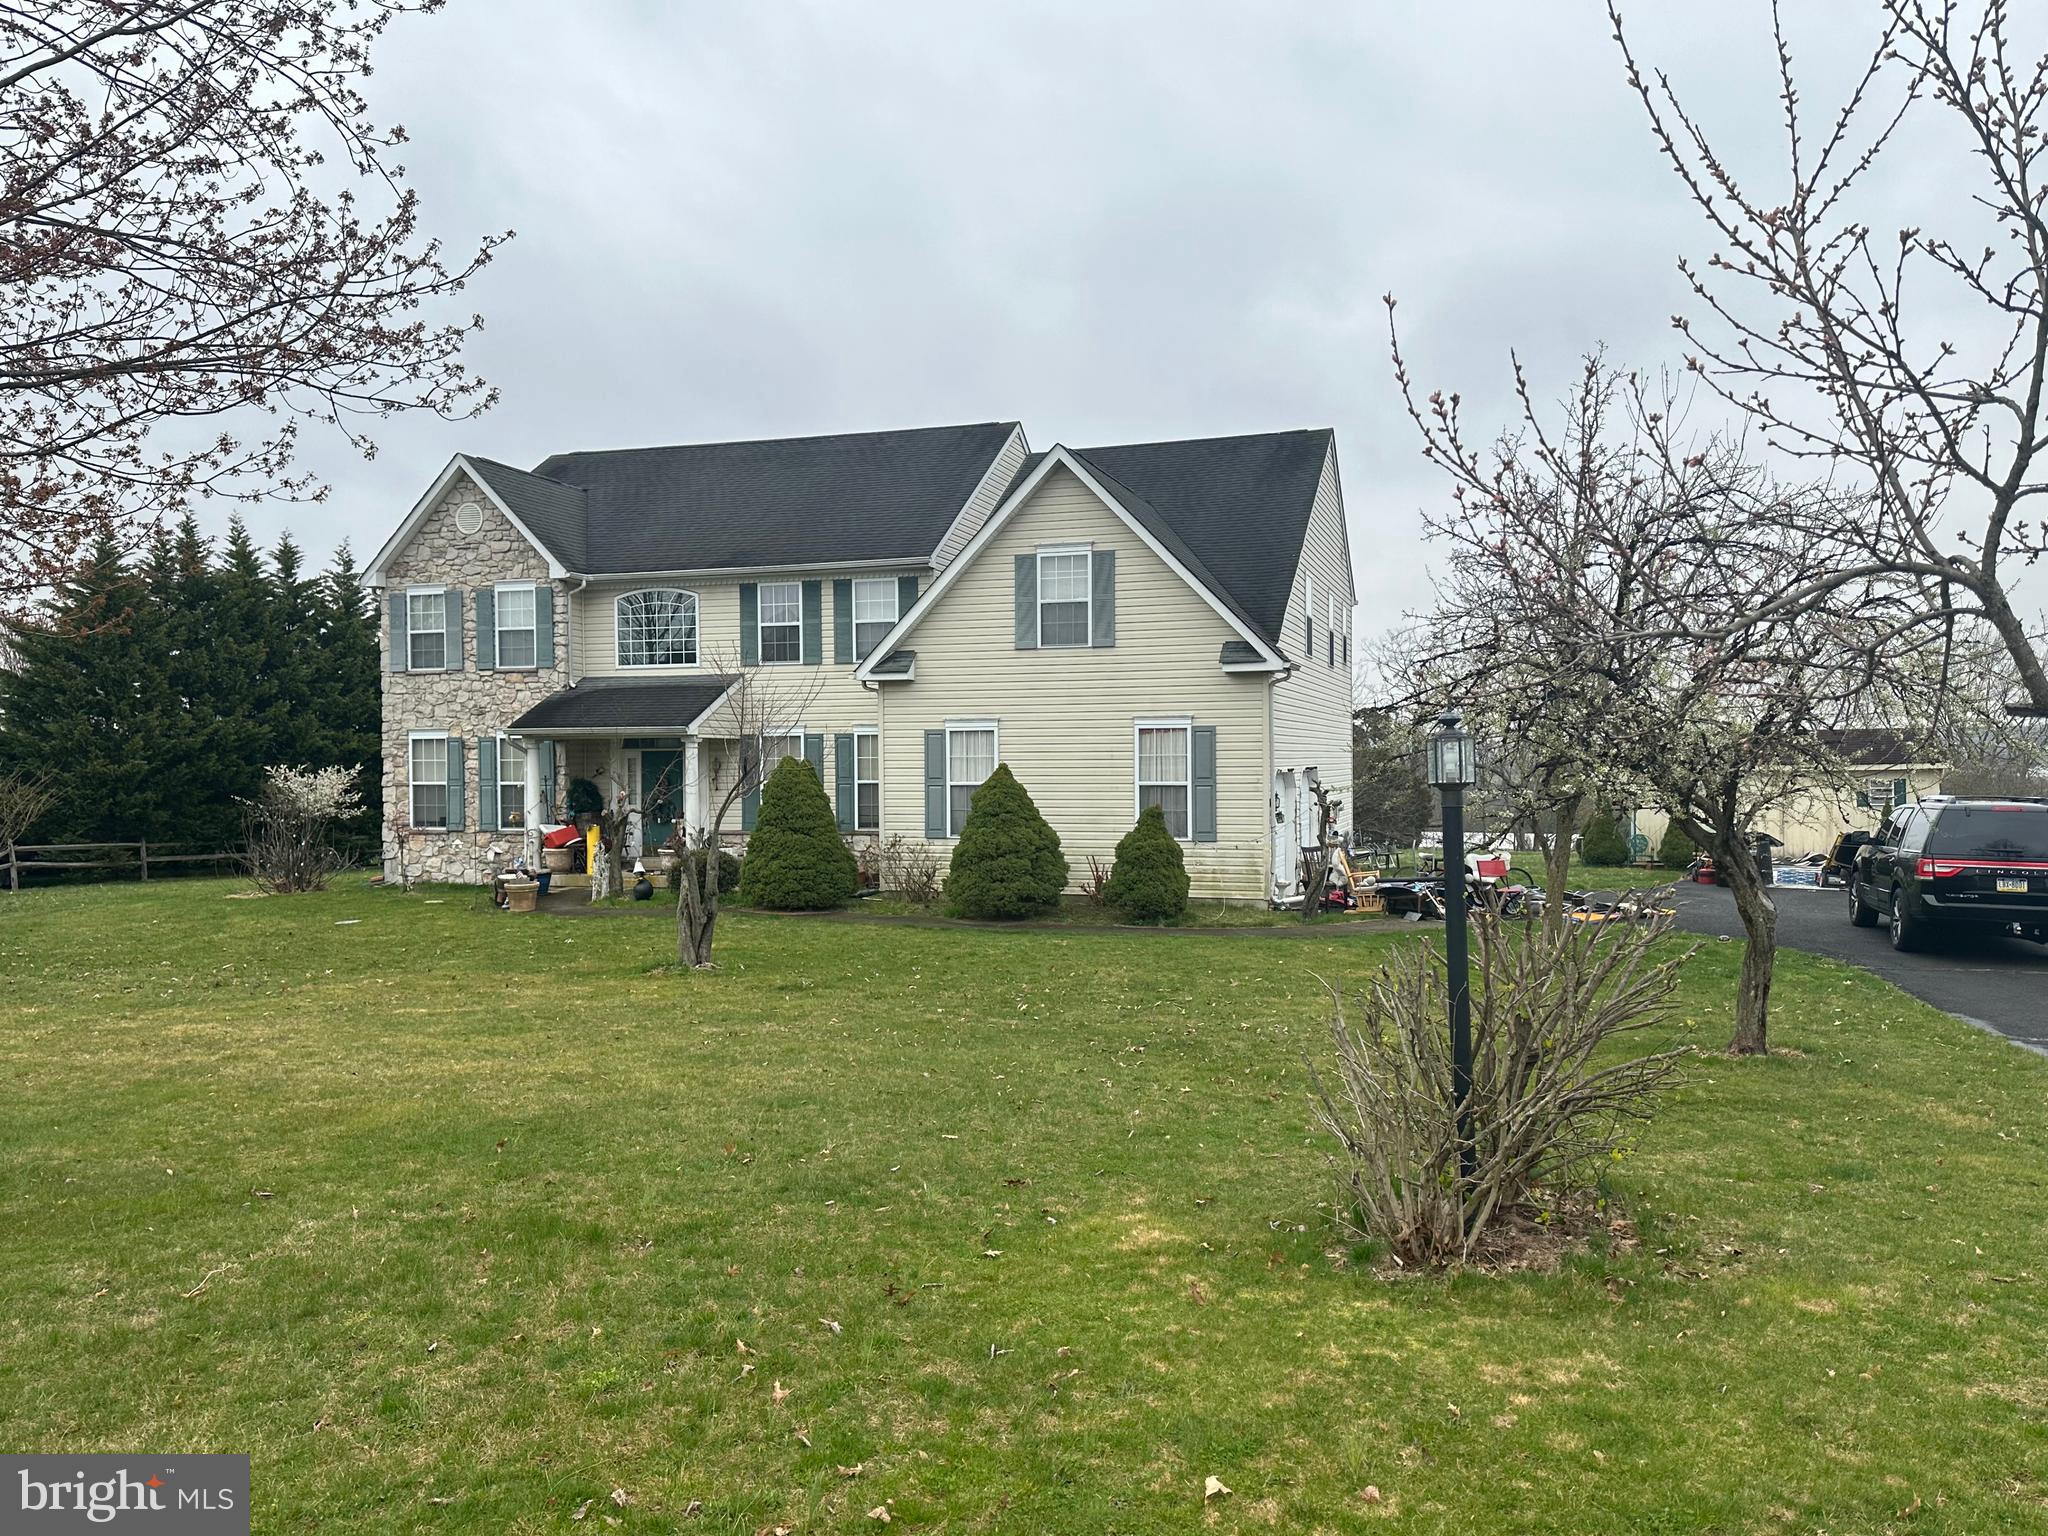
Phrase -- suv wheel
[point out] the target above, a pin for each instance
(1861, 912)
(1908, 931)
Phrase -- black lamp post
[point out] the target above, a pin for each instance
(1453, 769)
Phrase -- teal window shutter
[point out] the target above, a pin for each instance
(750, 808)
(842, 622)
(487, 782)
(934, 784)
(396, 604)
(1898, 791)
(814, 624)
(457, 781)
(1202, 769)
(455, 655)
(546, 749)
(1027, 602)
(544, 624)
(842, 780)
(1102, 594)
(906, 594)
(486, 632)
(814, 754)
(750, 626)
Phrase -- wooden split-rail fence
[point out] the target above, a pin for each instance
(119, 858)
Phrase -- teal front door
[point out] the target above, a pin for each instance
(661, 797)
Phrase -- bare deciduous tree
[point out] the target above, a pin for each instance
(199, 221)
(25, 798)
(1608, 564)
(762, 705)
(1918, 355)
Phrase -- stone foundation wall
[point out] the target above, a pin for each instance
(461, 701)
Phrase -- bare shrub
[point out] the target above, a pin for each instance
(911, 870)
(1096, 886)
(1545, 1115)
(286, 841)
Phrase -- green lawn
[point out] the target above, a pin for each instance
(454, 1221)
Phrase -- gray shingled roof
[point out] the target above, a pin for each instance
(603, 703)
(1234, 510)
(788, 501)
(552, 512)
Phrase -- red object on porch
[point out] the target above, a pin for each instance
(562, 837)
(1490, 869)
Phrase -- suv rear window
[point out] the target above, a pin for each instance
(1990, 832)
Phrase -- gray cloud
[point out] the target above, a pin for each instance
(1110, 221)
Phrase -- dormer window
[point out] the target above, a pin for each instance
(657, 627)
(1063, 589)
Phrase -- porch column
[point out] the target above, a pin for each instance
(535, 806)
(693, 790)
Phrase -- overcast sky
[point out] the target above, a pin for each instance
(1114, 222)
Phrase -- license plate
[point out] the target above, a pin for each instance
(2008, 885)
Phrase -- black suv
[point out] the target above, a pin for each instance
(1953, 863)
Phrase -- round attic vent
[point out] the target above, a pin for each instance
(469, 516)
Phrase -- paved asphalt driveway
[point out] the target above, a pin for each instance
(1999, 984)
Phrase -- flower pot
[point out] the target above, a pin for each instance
(559, 861)
(520, 895)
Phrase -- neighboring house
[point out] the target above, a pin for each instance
(1881, 769)
(1160, 622)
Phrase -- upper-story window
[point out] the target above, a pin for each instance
(782, 621)
(657, 628)
(426, 629)
(874, 613)
(517, 637)
(1063, 617)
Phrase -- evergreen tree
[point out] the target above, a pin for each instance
(1675, 850)
(1604, 843)
(293, 683)
(796, 860)
(1007, 862)
(347, 702)
(1149, 882)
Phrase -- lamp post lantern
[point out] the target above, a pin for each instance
(1452, 770)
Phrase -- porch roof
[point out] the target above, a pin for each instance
(603, 704)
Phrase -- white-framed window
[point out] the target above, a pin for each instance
(874, 613)
(867, 781)
(782, 621)
(970, 759)
(426, 629)
(1063, 597)
(514, 609)
(656, 627)
(427, 779)
(511, 787)
(1164, 777)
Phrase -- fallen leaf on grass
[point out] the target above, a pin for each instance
(852, 1471)
(803, 1438)
(778, 1394)
(831, 1326)
(1213, 1489)
(583, 1509)
(880, 1512)
(1369, 1494)
(694, 1507)
(619, 1497)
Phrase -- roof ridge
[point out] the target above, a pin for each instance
(1220, 437)
(762, 442)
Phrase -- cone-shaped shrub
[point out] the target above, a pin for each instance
(1604, 843)
(1675, 849)
(1150, 881)
(1008, 861)
(796, 860)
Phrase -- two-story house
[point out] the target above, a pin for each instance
(1147, 623)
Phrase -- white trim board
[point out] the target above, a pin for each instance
(1020, 493)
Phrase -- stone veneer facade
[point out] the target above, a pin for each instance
(461, 700)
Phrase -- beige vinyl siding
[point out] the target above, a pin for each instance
(839, 703)
(985, 499)
(1808, 821)
(1312, 708)
(1065, 717)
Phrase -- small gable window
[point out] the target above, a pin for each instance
(782, 621)
(657, 628)
(1063, 597)
(874, 613)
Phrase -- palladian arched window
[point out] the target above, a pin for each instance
(657, 627)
